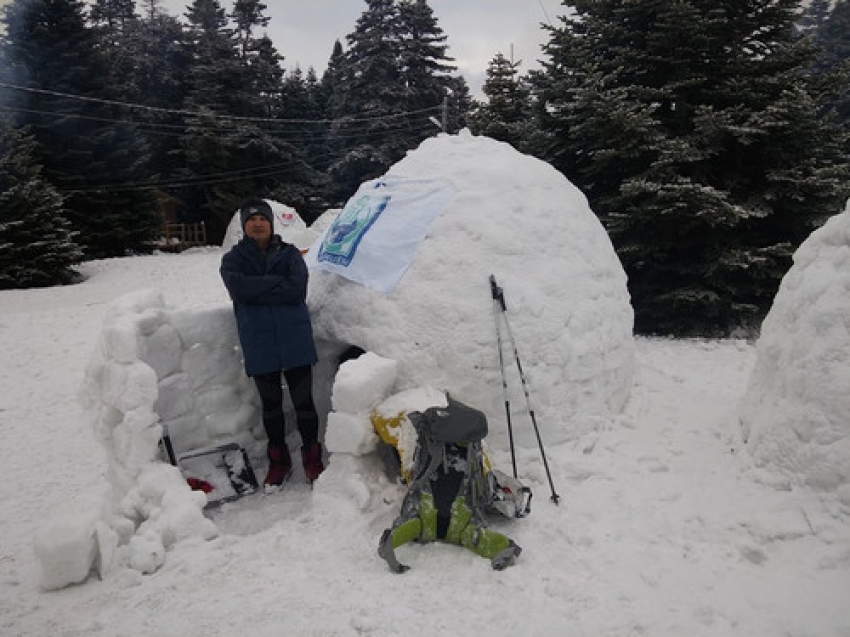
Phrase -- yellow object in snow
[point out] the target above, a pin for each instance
(389, 429)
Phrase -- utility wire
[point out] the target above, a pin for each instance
(285, 131)
(356, 128)
(214, 115)
(187, 183)
(546, 15)
(230, 176)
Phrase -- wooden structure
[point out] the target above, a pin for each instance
(177, 237)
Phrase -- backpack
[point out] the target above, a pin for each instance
(451, 487)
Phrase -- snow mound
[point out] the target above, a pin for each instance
(287, 223)
(567, 303)
(794, 412)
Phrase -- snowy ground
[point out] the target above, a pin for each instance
(665, 527)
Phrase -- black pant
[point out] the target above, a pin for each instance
(300, 383)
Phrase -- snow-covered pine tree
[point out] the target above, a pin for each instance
(301, 106)
(692, 130)
(37, 246)
(232, 148)
(284, 140)
(831, 34)
(386, 85)
(89, 150)
(460, 103)
(508, 114)
(428, 72)
(368, 99)
(425, 63)
(146, 65)
(815, 14)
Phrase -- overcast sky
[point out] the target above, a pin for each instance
(304, 31)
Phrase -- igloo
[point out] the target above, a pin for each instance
(795, 410)
(510, 215)
(517, 218)
(287, 223)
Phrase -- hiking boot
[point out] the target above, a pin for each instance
(311, 457)
(280, 467)
(506, 557)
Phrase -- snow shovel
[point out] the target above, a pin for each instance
(223, 472)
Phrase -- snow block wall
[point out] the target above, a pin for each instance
(795, 410)
(569, 309)
(157, 367)
(363, 391)
(154, 367)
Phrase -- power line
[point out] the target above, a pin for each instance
(546, 15)
(349, 129)
(201, 114)
(358, 130)
(189, 182)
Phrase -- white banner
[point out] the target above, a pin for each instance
(374, 238)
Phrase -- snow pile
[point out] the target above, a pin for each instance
(515, 217)
(795, 411)
(287, 223)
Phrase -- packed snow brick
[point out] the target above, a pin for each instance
(66, 550)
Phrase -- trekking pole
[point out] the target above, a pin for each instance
(525, 388)
(499, 306)
(169, 448)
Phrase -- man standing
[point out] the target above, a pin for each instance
(267, 281)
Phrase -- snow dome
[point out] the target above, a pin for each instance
(794, 412)
(287, 223)
(517, 218)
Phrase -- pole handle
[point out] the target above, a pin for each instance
(498, 293)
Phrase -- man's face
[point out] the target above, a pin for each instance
(258, 228)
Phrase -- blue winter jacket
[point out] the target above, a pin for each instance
(269, 292)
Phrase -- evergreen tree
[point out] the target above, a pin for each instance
(37, 246)
(329, 96)
(232, 149)
(424, 56)
(116, 27)
(330, 93)
(427, 70)
(459, 104)
(708, 166)
(368, 102)
(158, 81)
(391, 79)
(815, 14)
(302, 121)
(248, 15)
(508, 114)
(831, 34)
(88, 149)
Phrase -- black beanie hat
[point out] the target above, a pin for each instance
(255, 207)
